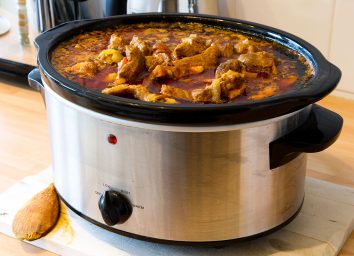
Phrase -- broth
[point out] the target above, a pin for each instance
(179, 63)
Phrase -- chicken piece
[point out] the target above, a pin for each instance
(207, 59)
(189, 65)
(110, 56)
(232, 64)
(139, 92)
(143, 46)
(209, 94)
(118, 43)
(157, 59)
(204, 95)
(161, 56)
(227, 87)
(160, 47)
(174, 92)
(161, 71)
(226, 49)
(245, 46)
(175, 72)
(259, 62)
(231, 81)
(190, 46)
(134, 64)
(85, 69)
(38, 216)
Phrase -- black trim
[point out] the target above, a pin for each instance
(172, 242)
(325, 79)
(14, 70)
(318, 132)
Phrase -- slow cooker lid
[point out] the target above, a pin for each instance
(326, 76)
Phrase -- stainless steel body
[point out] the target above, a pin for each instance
(196, 184)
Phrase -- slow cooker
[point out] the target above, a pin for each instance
(184, 173)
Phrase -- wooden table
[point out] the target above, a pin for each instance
(25, 150)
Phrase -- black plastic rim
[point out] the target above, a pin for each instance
(326, 76)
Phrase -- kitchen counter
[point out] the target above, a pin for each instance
(25, 150)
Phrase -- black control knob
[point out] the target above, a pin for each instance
(115, 207)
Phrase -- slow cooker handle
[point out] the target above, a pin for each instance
(35, 81)
(319, 131)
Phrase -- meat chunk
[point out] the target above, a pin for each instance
(134, 65)
(258, 62)
(207, 59)
(161, 56)
(190, 46)
(227, 87)
(83, 69)
(174, 92)
(245, 46)
(143, 46)
(226, 49)
(209, 94)
(139, 92)
(118, 43)
(161, 71)
(175, 72)
(232, 85)
(189, 65)
(160, 47)
(234, 65)
(157, 59)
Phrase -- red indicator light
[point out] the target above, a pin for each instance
(112, 139)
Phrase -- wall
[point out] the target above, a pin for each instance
(323, 23)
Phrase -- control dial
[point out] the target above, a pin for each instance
(115, 208)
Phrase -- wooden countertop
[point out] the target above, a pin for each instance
(11, 47)
(25, 150)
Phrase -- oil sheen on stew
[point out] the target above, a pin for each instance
(179, 63)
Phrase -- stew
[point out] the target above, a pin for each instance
(179, 63)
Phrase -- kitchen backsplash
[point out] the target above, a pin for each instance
(327, 24)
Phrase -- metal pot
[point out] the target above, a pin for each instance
(203, 173)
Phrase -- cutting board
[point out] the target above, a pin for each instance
(321, 228)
